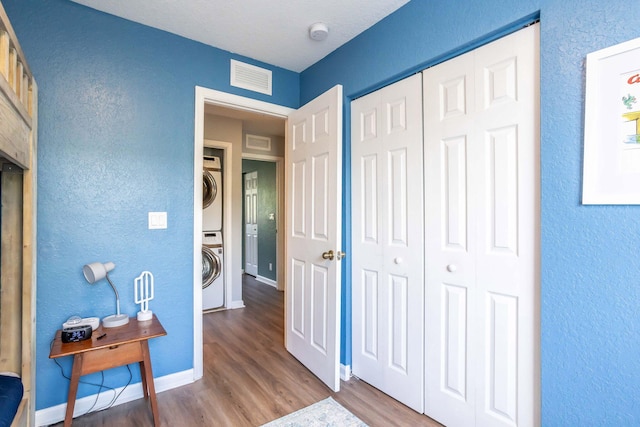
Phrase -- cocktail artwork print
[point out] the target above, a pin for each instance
(612, 126)
(630, 121)
(631, 107)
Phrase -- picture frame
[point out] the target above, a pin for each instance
(611, 173)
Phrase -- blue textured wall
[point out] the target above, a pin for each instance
(116, 137)
(96, 174)
(590, 286)
(590, 263)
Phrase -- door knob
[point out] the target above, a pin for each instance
(451, 268)
(340, 255)
(328, 255)
(397, 260)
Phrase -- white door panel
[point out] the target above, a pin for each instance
(508, 265)
(386, 147)
(251, 222)
(449, 246)
(314, 184)
(482, 191)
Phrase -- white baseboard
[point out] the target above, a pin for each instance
(345, 372)
(235, 304)
(267, 281)
(55, 414)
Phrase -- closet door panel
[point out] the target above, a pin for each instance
(387, 238)
(508, 224)
(450, 242)
(482, 202)
(398, 196)
(454, 170)
(454, 350)
(502, 374)
(502, 181)
(368, 216)
(369, 314)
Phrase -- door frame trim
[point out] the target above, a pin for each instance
(210, 96)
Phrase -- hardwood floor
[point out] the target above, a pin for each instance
(250, 379)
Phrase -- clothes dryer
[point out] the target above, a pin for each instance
(212, 270)
(212, 194)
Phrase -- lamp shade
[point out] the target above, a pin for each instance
(97, 271)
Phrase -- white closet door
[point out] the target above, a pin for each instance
(450, 245)
(251, 223)
(388, 286)
(482, 226)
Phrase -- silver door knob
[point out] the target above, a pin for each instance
(340, 255)
(328, 255)
(451, 268)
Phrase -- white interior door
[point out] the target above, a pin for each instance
(251, 223)
(313, 227)
(482, 225)
(387, 239)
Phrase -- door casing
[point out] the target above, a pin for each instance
(215, 97)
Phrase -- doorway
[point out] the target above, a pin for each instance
(261, 212)
(232, 227)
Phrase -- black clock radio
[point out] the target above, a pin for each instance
(76, 333)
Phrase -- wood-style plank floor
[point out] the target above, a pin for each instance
(250, 379)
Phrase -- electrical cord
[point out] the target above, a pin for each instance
(100, 386)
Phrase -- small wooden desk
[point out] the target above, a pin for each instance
(121, 346)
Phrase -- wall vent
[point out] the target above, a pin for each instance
(256, 142)
(250, 77)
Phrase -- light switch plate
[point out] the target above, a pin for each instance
(157, 220)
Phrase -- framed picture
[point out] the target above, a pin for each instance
(612, 126)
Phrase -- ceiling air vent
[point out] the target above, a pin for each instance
(250, 77)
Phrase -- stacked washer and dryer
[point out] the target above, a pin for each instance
(212, 244)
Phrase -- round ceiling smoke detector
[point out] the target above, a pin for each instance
(318, 31)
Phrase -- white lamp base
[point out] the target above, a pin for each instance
(115, 320)
(144, 315)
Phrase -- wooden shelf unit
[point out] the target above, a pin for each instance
(18, 141)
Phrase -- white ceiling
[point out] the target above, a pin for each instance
(271, 31)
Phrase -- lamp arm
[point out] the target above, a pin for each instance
(116, 292)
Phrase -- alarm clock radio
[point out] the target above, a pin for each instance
(76, 333)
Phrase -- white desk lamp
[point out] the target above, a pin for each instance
(143, 293)
(97, 271)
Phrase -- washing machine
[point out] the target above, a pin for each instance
(211, 194)
(212, 270)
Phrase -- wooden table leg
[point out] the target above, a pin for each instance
(143, 377)
(147, 373)
(73, 388)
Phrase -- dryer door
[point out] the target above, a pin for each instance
(209, 189)
(210, 266)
